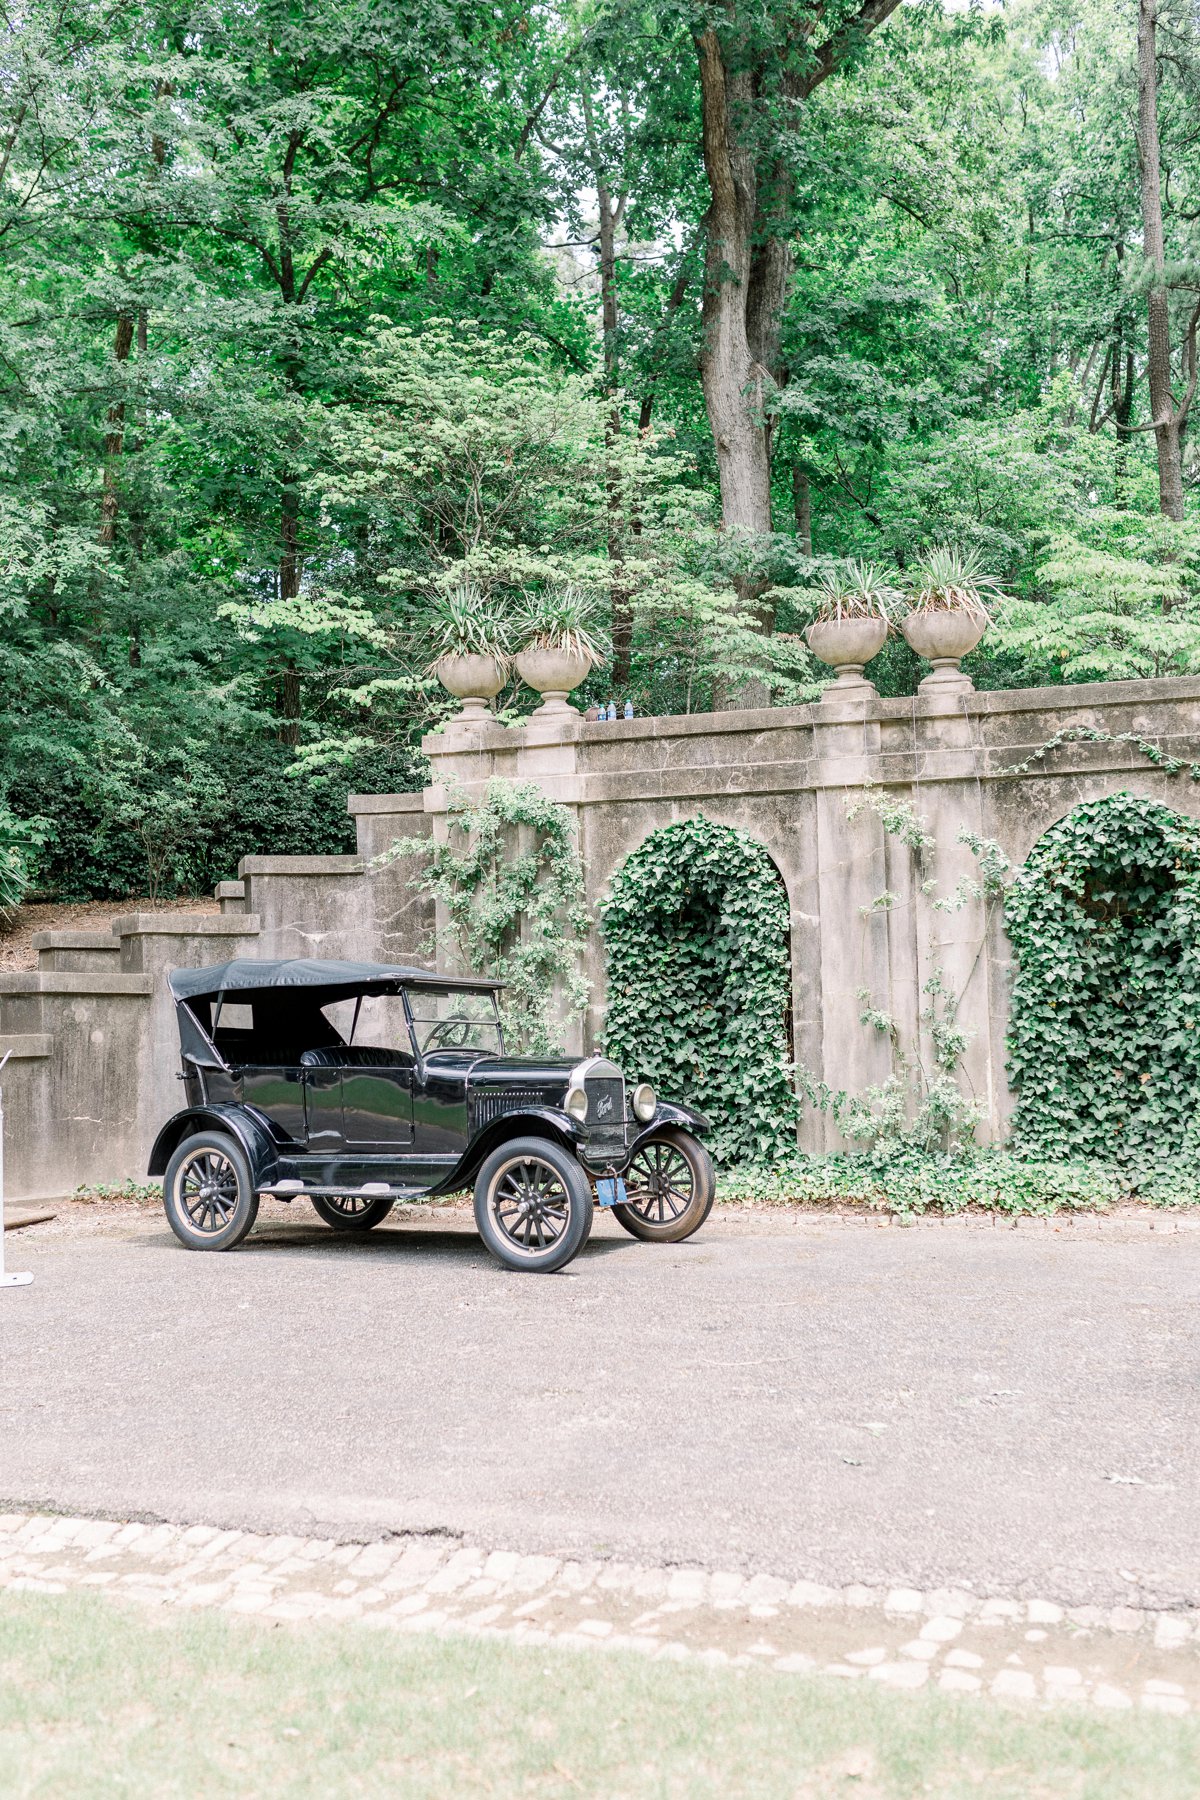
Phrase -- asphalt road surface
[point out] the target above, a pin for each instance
(1014, 1411)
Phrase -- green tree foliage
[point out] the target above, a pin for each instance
(508, 882)
(699, 982)
(308, 313)
(1104, 1045)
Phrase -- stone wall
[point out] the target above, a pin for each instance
(787, 776)
(94, 1050)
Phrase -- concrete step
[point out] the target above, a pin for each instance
(77, 950)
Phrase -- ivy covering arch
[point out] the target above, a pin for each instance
(1104, 1038)
(699, 982)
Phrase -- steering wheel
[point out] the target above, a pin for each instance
(449, 1034)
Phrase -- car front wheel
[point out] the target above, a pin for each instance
(351, 1212)
(533, 1205)
(208, 1192)
(670, 1186)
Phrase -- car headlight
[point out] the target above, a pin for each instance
(577, 1103)
(645, 1102)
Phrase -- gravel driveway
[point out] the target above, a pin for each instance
(1008, 1409)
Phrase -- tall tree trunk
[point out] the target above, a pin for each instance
(730, 373)
(1122, 379)
(732, 378)
(137, 512)
(292, 294)
(748, 256)
(802, 507)
(289, 587)
(674, 301)
(114, 437)
(1163, 411)
(287, 692)
(611, 213)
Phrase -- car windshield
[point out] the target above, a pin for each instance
(455, 1019)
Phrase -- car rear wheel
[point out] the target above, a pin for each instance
(351, 1212)
(533, 1205)
(671, 1188)
(208, 1192)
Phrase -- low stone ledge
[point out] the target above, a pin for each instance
(75, 981)
(186, 925)
(298, 865)
(386, 803)
(32, 1044)
(76, 940)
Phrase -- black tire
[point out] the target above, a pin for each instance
(533, 1205)
(208, 1192)
(351, 1212)
(671, 1188)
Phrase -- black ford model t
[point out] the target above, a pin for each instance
(361, 1084)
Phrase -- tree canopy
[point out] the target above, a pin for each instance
(307, 312)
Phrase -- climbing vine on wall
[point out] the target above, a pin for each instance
(509, 882)
(1104, 1034)
(699, 982)
(921, 1107)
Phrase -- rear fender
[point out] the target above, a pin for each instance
(533, 1121)
(236, 1122)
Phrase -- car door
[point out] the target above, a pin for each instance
(377, 1077)
(323, 1105)
(377, 1103)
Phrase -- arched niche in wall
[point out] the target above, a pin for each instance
(1104, 1026)
(696, 929)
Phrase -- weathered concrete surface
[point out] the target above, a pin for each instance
(788, 775)
(921, 1408)
(92, 1030)
(86, 1107)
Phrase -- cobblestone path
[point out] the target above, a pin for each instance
(1021, 1650)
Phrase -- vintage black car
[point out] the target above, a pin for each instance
(358, 1085)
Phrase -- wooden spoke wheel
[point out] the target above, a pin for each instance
(533, 1205)
(208, 1194)
(670, 1186)
(352, 1212)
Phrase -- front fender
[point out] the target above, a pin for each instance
(683, 1118)
(531, 1121)
(669, 1112)
(239, 1122)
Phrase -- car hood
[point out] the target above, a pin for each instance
(479, 1072)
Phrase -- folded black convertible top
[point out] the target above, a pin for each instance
(246, 974)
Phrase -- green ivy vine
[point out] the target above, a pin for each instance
(1095, 734)
(1104, 1032)
(509, 880)
(920, 1110)
(699, 982)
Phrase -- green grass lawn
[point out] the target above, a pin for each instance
(100, 1698)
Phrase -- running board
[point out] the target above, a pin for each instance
(373, 1190)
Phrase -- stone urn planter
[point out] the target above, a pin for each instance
(848, 645)
(553, 673)
(943, 637)
(473, 679)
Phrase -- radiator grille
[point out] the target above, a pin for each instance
(495, 1104)
(605, 1116)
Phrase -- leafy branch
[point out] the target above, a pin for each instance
(513, 912)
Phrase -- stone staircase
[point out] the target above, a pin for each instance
(94, 1053)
